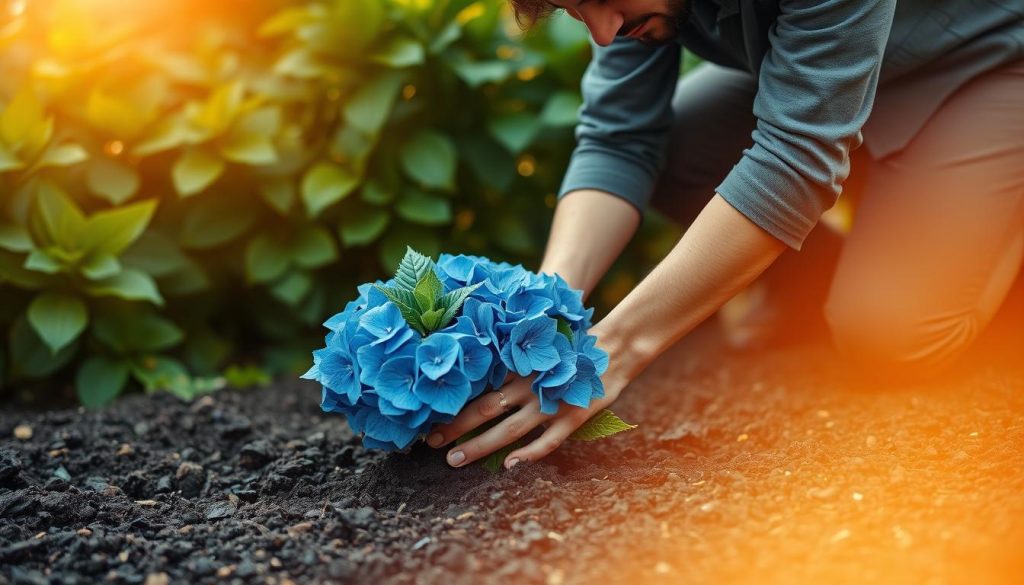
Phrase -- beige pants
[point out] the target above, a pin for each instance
(937, 236)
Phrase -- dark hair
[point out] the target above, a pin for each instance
(528, 12)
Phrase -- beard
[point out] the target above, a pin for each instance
(676, 16)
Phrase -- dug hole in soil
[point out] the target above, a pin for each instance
(779, 466)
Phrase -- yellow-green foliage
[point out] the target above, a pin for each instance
(190, 184)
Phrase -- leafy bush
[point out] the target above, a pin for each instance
(188, 186)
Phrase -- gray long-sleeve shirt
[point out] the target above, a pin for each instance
(832, 74)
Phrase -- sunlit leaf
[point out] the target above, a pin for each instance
(62, 156)
(196, 169)
(400, 52)
(133, 285)
(324, 185)
(112, 230)
(112, 180)
(369, 108)
(249, 148)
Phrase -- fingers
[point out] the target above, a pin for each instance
(481, 410)
(556, 434)
(502, 434)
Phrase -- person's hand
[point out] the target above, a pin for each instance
(515, 392)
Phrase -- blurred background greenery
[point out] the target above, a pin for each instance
(188, 189)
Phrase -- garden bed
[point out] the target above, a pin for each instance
(770, 467)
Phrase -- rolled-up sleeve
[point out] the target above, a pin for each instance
(816, 87)
(625, 120)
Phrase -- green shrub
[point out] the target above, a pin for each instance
(194, 186)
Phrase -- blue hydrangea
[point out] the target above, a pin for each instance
(393, 385)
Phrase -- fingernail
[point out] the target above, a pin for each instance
(456, 457)
(435, 440)
(512, 463)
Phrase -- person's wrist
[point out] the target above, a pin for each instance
(625, 358)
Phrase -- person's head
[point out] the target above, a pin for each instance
(652, 21)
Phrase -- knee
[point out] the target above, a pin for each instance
(886, 343)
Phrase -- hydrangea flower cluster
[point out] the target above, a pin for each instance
(393, 383)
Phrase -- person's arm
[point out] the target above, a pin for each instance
(718, 256)
(589, 231)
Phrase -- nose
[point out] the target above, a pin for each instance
(602, 21)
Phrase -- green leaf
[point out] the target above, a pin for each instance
(100, 266)
(31, 357)
(214, 221)
(377, 193)
(43, 261)
(195, 170)
(492, 164)
(313, 247)
(23, 123)
(57, 219)
(133, 285)
(155, 254)
(431, 319)
(429, 159)
(248, 148)
(265, 259)
(413, 267)
(136, 329)
(99, 380)
(564, 329)
(246, 376)
(479, 73)
(160, 373)
(562, 109)
(363, 225)
(9, 162)
(324, 185)
(422, 208)
(279, 193)
(602, 424)
(12, 269)
(111, 231)
(369, 108)
(112, 180)
(428, 290)
(58, 319)
(453, 301)
(293, 288)
(515, 132)
(15, 238)
(400, 52)
(62, 156)
(405, 300)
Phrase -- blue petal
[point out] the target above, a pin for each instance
(447, 394)
(382, 322)
(476, 358)
(381, 428)
(395, 382)
(543, 357)
(370, 359)
(437, 354)
(579, 394)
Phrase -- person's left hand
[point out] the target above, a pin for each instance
(516, 392)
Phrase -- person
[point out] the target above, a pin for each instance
(757, 143)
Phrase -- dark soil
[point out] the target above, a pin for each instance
(758, 467)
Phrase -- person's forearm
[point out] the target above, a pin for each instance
(718, 256)
(589, 231)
